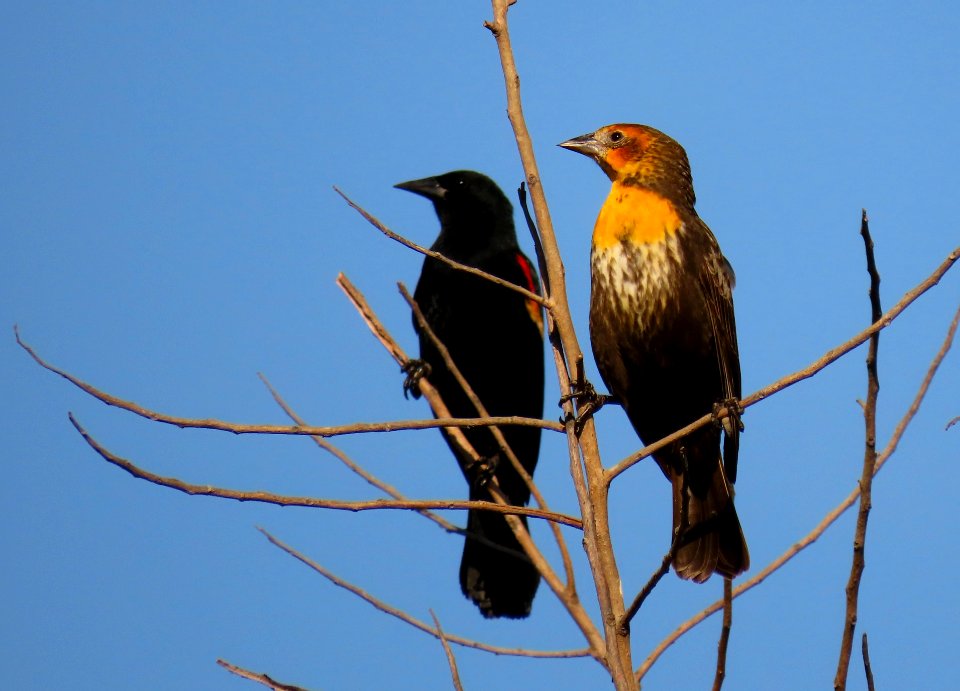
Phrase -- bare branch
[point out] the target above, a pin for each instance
(567, 597)
(451, 660)
(385, 487)
(721, 672)
(585, 464)
(867, 670)
(403, 616)
(283, 500)
(828, 358)
(664, 567)
(355, 467)
(529, 294)
(537, 243)
(259, 678)
(869, 465)
(827, 520)
(647, 588)
(295, 430)
(497, 434)
(380, 332)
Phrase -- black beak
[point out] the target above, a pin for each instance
(425, 187)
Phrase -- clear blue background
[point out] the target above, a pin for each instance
(169, 229)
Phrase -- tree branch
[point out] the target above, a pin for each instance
(451, 660)
(311, 502)
(721, 672)
(529, 294)
(585, 465)
(356, 468)
(259, 678)
(570, 588)
(828, 358)
(869, 465)
(566, 593)
(827, 520)
(295, 430)
(867, 670)
(416, 623)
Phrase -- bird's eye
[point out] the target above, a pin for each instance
(616, 136)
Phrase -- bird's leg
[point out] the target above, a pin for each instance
(588, 401)
(415, 370)
(732, 421)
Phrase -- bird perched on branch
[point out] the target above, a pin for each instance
(664, 336)
(495, 338)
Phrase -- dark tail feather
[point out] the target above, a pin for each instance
(713, 542)
(499, 583)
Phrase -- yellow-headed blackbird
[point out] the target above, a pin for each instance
(495, 338)
(663, 333)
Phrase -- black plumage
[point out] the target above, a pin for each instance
(495, 337)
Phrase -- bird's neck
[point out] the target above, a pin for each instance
(636, 214)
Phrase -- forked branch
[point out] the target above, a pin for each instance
(827, 520)
(416, 623)
(869, 467)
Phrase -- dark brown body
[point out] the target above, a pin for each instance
(664, 335)
(658, 354)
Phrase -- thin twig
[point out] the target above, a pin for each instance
(294, 430)
(433, 397)
(355, 467)
(529, 294)
(566, 593)
(721, 672)
(572, 604)
(828, 358)
(647, 588)
(471, 395)
(312, 502)
(385, 487)
(867, 669)
(427, 389)
(537, 243)
(264, 679)
(827, 520)
(668, 558)
(451, 660)
(869, 465)
(468, 391)
(403, 616)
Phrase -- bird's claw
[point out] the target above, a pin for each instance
(731, 422)
(482, 470)
(588, 402)
(415, 370)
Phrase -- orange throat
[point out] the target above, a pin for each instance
(636, 215)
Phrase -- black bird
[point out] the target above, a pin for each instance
(495, 338)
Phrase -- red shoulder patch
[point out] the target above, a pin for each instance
(536, 313)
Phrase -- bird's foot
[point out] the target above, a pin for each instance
(588, 402)
(731, 422)
(415, 370)
(482, 470)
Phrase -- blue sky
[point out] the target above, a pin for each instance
(169, 230)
